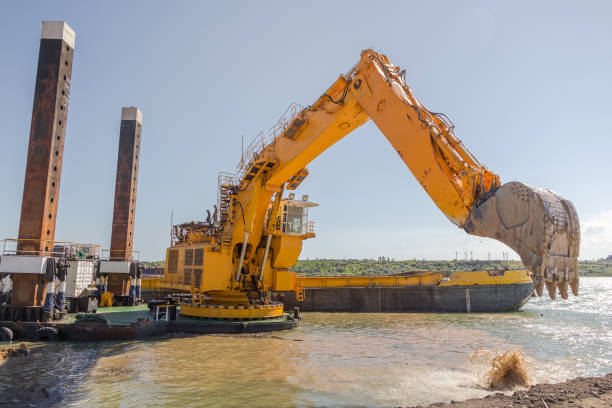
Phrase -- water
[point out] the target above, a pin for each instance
(331, 360)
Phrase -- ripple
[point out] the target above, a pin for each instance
(332, 359)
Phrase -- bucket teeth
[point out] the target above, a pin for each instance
(563, 289)
(574, 283)
(541, 226)
(539, 286)
(552, 289)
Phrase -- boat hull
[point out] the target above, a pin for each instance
(454, 299)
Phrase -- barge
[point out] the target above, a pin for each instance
(462, 292)
(459, 292)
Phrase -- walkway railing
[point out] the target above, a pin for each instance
(58, 249)
(133, 255)
(264, 140)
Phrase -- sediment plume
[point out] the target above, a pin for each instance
(21, 350)
(508, 369)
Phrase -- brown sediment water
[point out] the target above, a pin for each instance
(507, 369)
(332, 359)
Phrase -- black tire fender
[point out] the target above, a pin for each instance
(6, 334)
(50, 270)
(46, 334)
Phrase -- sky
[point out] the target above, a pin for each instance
(527, 84)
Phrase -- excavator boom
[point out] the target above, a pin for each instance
(538, 224)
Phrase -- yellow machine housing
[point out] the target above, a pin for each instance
(195, 252)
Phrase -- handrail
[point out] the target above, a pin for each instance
(285, 120)
(263, 140)
(131, 257)
(66, 249)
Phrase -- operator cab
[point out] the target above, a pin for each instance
(293, 218)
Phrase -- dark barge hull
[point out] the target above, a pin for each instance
(424, 299)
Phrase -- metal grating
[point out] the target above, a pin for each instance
(187, 276)
(173, 261)
(199, 257)
(197, 278)
(188, 257)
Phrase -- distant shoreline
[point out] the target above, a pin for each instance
(387, 266)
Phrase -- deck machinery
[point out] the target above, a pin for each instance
(233, 259)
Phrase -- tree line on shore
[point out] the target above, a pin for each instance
(387, 266)
(340, 267)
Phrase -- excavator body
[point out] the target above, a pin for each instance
(256, 234)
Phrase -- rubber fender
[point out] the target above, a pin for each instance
(50, 269)
(133, 269)
(6, 334)
(46, 334)
(62, 270)
(90, 318)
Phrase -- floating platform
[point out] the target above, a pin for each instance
(461, 292)
(136, 322)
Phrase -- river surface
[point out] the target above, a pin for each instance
(330, 360)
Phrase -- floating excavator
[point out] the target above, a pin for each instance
(243, 251)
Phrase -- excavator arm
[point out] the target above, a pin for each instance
(538, 224)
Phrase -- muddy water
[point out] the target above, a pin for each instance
(331, 360)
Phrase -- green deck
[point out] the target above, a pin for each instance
(126, 315)
(119, 315)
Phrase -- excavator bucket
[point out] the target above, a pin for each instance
(540, 226)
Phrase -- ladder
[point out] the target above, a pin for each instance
(252, 291)
(299, 290)
(225, 198)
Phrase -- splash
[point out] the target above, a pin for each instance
(22, 350)
(505, 369)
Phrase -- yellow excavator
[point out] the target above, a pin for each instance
(243, 251)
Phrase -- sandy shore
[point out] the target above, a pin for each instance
(592, 392)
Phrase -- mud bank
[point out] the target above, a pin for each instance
(592, 392)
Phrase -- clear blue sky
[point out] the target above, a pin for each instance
(528, 85)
